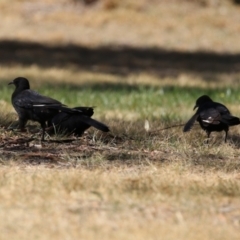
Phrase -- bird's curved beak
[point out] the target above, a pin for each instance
(10, 83)
(195, 107)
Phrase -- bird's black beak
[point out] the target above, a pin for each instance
(10, 83)
(195, 107)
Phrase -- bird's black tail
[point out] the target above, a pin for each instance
(94, 123)
(231, 121)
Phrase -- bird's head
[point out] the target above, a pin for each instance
(20, 82)
(201, 100)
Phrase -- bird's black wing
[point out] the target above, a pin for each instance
(221, 109)
(217, 114)
(226, 116)
(76, 123)
(30, 99)
(67, 124)
(190, 122)
(210, 116)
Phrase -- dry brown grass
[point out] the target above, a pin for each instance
(115, 202)
(133, 185)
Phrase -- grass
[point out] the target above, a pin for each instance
(138, 184)
(131, 183)
(132, 201)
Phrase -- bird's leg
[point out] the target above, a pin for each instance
(226, 135)
(21, 124)
(208, 136)
(43, 125)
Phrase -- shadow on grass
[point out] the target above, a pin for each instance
(120, 60)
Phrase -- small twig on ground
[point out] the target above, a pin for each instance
(162, 129)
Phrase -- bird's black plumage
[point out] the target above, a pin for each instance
(30, 105)
(76, 123)
(212, 117)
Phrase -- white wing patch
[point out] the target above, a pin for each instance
(211, 120)
(39, 105)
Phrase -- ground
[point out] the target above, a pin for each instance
(142, 65)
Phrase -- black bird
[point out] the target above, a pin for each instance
(75, 123)
(212, 117)
(30, 105)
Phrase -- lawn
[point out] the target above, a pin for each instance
(138, 64)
